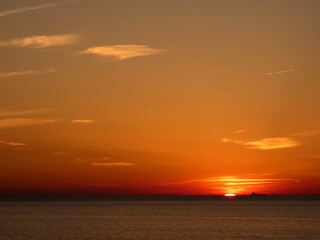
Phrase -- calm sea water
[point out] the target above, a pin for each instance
(174, 219)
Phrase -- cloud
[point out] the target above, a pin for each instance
(59, 153)
(266, 143)
(24, 73)
(240, 184)
(32, 8)
(19, 122)
(186, 182)
(83, 121)
(285, 71)
(306, 133)
(272, 143)
(233, 181)
(41, 41)
(13, 143)
(113, 164)
(103, 163)
(240, 131)
(280, 72)
(228, 140)
(122, 52)
(23, 112)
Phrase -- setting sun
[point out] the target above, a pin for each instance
(230, 195)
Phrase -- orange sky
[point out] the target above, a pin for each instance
(159, 97)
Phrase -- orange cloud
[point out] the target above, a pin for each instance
(272, 143)
(280, 72)
(23, 112)
(266, 143)
(83, 121)
(113, 164)
(234, 184)
(243, 185)
(228, 140)
(306, 133)
(41, 41)
(13, 143)
(18, 122)
(240, 131)
(24, 73)
(32, 8)
(122, 52)
(59, 153)
(229, 180)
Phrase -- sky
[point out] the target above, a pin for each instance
(159, 97)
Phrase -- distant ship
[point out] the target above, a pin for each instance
(255, 194)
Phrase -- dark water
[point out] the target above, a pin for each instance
(179, 218)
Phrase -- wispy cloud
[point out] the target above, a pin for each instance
(32, 8)
(41, 41)
(13, 143)
(266, 143)
(122, 52)
(243, 184)
(83, 121)
(113, 164)
(5, 113)
(24, 73)
(240, 131)
(229, 140)
(234, 181)
(59, 153)
(104, 162)
(186, 181)
(280, 72)
(306, 133)
(19, 122)
(272, 143)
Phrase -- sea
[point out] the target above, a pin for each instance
(161, 218)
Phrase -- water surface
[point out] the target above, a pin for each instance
(161, 218)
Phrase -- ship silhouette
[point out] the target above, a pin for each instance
(255, 194)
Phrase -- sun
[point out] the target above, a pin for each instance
(230, 195)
